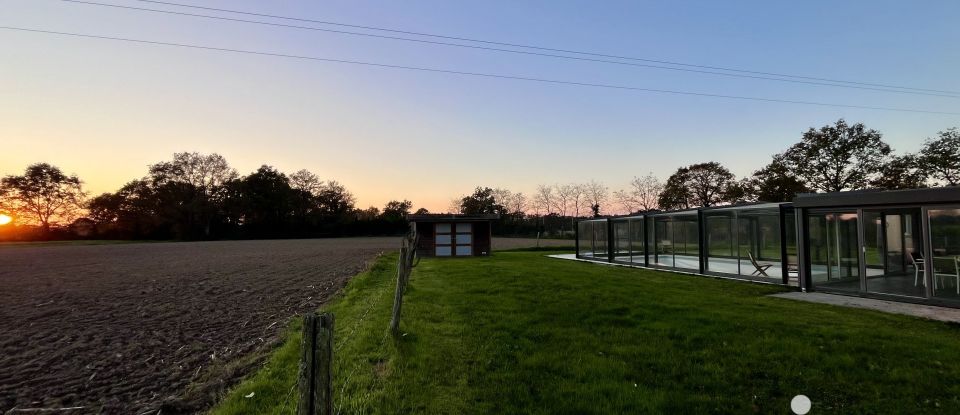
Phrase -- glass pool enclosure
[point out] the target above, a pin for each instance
(898, 245)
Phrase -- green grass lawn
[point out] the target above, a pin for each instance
(521, 333)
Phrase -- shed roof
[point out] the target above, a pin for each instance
(448, 217)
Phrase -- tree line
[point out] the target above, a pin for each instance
(199, 196)
(193, 196)
(836, 157)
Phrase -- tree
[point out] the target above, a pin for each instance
(518, 205)
(192, 188)
(709, 183)
(543, 200)
(481, 201)
(44, 193)
(901, 172)
(837, 157)
(265, 200)
(776, 182)
(396, 210)
(642, 194)
(675, 194)
(133, 211)
(305, 181)
(368, 214)
(577, 195)
(596, 195)
(205, 172)
(626, 202)
(940, 158)
(421, 211)
(699, 185)
(563, 196)
(333, 199)
(503, 198)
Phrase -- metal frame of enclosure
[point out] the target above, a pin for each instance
(899, 245)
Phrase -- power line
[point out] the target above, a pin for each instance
(509, 50)
(475, 74)
(543, 48)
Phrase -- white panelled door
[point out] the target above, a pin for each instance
(454, 239)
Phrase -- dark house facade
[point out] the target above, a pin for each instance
(446, 235)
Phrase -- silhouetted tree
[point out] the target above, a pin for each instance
(480, 202)
(837, 157)
(333, 199)
(675, 195)
(596, 195)
(45, 194)
(264, 201)
(642, 194)
(698, 185)
(396, 210)
(900, 172)
(776, 182)
(940, 158)
(192, 188)
(131, 212)
(421, 211)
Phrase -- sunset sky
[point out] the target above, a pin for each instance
(105, 109)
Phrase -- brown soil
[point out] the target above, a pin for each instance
(133, 328)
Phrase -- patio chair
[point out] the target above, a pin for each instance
(917, 260)
(940, 276)
(761, 268)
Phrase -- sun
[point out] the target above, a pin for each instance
(4, 219)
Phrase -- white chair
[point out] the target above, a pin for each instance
(918, 269)
(955, 275)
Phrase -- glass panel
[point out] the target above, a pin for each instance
(720, 239)
(663, 241)
(443, 250)
(790, 239)
(464, 250)
(945, 245)
(835, 262)
(888, 244)
(637, 241)
(621, 237)
(592, 236)
(443, 228)
(686, 242)
(464, 239)
(600, 239)
(444, 239)
(758, 241)
(584, 238)
(464, 228)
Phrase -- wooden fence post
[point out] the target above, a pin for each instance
(323, 366)
(398, 294)
(305, 380)
(408, 252)
(315, 379)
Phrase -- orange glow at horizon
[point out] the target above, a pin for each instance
(4, 219)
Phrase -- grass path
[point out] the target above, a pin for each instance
(521, 333)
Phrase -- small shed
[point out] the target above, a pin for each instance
(449, 235)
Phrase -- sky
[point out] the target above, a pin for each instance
(105, 110)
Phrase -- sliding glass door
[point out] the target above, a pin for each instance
(834, 256)
(891, 246)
